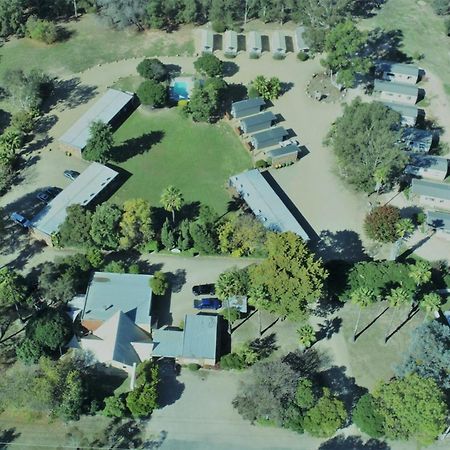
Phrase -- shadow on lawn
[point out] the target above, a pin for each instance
(7, 436)
(386, 45)
(136, 146)
(342, 442)
(343, 245)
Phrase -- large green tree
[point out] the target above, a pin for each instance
(267, 88)
(381, 223)
(232, 282)
(365, 139)
(75, 231)
(12, 16)
(152, 69)
(105, 231)
(100, 142)
(152, 93)
(209, 65)
(367, 418)
(136, 224)
(291, 275)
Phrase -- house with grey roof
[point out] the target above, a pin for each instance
(257, 122)
(267, 138)
(265, 204)
(207, 41)
(254, 44)
(117, 342)
(82, 191)
(247, 107)
(427, 166)
(389, 91)
(409, 114)
(432, 194)
(283, 155)
(417, 140)
(278, 44)
(230, 43)
(439, 221)
(108, 293)
(111, 108)
(197, 343)
(299, 37)
(398, 72)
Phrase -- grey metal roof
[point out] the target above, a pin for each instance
(430, 189)
(437, 163)
(404, 110)
(254, 42)
(439, 220)
(265, 203)
(237, 108)
(300, 40)
(396, 88)
(207, 40)
(257, 119)
(109, 292)
(404, 69)
(168, 343)
(81, 191)
(104, 110)
(417, 139)
(268, 137)
(278, 42)
(200, 336)
(230, 41)
(282, 151)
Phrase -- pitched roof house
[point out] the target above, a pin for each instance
(436, 195)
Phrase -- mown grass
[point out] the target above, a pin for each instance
(163, 148)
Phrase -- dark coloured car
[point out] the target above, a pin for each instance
(48, 194)
(71, 174)
(207, 303)
(204, 289)
(21, 220)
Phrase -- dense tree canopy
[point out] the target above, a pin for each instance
(209, 65)
(365, 140)
(75, 230)
(136, 223)
(121, 13)
(105, 231)
(152, 93)
(152, 69)
(100, 143)
(233, 282)
(367, 418)
(159, 283)
(381, 223)
(12, 16)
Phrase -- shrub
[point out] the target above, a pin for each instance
(152, 93)
(419, 218)
(193, 367)
(219, 26)
(366, 418)
(380, 223)
(254, 56)
(232, 361)
(261, 164)
(252, 92)
(159, 283)
(115, 267)
(95, 257)
(302, 56)
(134, 268)
(115, 406)
(279, 56)
(23, 121)
(41, 30)
(152, 69)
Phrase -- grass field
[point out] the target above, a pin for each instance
(162, 148)
(91, 42)
(423, 32)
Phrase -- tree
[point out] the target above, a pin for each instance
(115, 267)
(398, 298)
(306, 335)
(72, 397)
(305, 397)
(326, 416)
(159, 283)
(115, 406)
(291, 275)
(152, 69)
(267, 88)
(100, 143)
(41, 30)
(105, 231)
(152, 93)
(75, 231)
(404, 228)
(362, 297)
(231, 283)
(29, 351)
(206, 101)
(12, 289)
(184, 239)
(172, 200)
(144, 398)
(420, 272)
(430, 303)
(365, 139)
(95, 257)
(209, 65)
(23, 121)
(167, 235)
(136, 225)
(367, 418)
(381, 223)
(121, 14)
(411, 407)
(12, 16)
(10, 142)
(203, 235)
(344, 45)
(428, 354)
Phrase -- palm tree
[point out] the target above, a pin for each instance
(430, 303)
(306, 335)
(172, 200)
(380, 175)
(397, 298)
(420, 272)
(259, 298)
(404, 227)
(363, 297)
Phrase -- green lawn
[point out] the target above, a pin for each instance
(423, 32)
(90, 43)
(196, 158)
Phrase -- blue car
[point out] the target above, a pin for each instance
(207, 303)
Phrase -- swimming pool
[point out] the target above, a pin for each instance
(179, 90)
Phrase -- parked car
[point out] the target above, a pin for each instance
(204, 289)
(21, 220)
(207, 303)
(291, 141)
(48, 194)
(71, 174)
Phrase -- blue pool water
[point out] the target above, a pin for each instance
(179, 90)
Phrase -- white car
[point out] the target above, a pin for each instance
(291, 141)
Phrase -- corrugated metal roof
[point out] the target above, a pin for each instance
(300, 40)
(254, 42)
(417, 139)
(168, 343)
(200, 336)
(265, 117)
(439, 220)
(278, 42)
(429, 161)
(282, 151)
(396, 88)
(207, 40)
(230, 41)
(109, 105)
(81, 191)
(249, 104)
(404, 110)
(404, 69)
(265, 203)
(111, 292)
(268, 137)
(430, 189)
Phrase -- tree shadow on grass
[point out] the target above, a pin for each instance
(136, 146)
(70, 93)
(329, 328)
(342, 442)
(382, 44)
(7, 436)
(366, 8)
(265, 346)
(308, 362)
